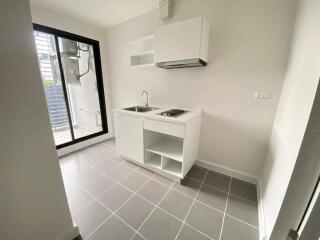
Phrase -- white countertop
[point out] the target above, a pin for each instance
(183, 118)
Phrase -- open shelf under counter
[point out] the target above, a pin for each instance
(172, 166)
(152, 160)
(168, 147)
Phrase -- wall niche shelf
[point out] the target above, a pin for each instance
(142, 52)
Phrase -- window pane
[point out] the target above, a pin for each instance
(52, 85)
(80, 76)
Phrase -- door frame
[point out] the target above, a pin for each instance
(311, 207)
(99, 78)
(303, 179)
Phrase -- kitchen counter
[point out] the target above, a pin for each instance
(164, 144)
(182, 119)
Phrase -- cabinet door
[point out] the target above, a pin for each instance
(178, 41)
(129, 137)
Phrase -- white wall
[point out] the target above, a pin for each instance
(53, 19)
(294, 109)
(248, 51)
(33, 200)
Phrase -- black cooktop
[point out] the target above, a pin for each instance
(172, 112)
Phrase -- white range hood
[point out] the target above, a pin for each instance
(182, 44)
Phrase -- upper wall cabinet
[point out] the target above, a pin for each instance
(182, 44)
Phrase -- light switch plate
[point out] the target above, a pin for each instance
(262, 95)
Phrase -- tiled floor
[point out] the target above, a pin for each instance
(112, 199)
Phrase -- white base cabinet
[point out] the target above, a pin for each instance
(158, 143)
(129, 136)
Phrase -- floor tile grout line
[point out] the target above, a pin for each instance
(114, 212)
(181, 220)
(154, 208)
(241, 198)
(194, 200)
(101, 203)
(187, 224)
(135, 193)
(187, 196)
(239, 220)
(151, 178)
(212, 208)
(88, 165)
(233, 194)
(225, 209)
(215, 209)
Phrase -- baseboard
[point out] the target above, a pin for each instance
(261, 212)
(80, 145)
(72, 234)
(227, 171)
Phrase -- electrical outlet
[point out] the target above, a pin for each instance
(262, 95)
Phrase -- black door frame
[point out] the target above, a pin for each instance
(97, 60)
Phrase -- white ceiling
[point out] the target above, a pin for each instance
(102, 13)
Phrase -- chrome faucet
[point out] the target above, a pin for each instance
(146, 92)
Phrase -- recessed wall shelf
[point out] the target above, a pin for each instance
(142, 52)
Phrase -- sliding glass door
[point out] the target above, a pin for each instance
(72, 79)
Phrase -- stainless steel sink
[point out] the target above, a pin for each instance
(140, 109)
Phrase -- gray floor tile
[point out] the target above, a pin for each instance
(110, 142)
(119, 172)
(129, 164)
(113, 229)
(243, 189)
(109, 152)
(160, 226)
(205, 219)
(243, 210)
(135, 211)
(77, 198)
(188, 186)
(68, 161)
(89, 157)
(162, 180)
(75, 170)
(197, 173)
(117, 158)
(115, 197)
(137, 237)
(106, 166)
(145, 171)
(98, 185)
(99, 147)
(134, 181)
(218, 180)
(213, 197)
(153, 191)
(187, 233)
(234, 229)
(90, 217)
(87, 175)
(176, 204)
